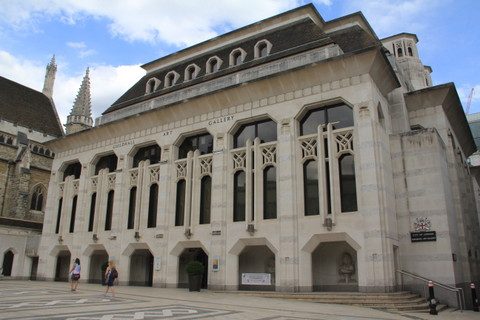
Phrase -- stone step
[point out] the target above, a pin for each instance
(345, 297)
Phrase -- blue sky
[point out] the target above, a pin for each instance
(115, 38)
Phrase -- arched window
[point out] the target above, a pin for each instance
(91, 217)
(152, 85)
(73, 169)
(107, 162)
(310, 188)
(399, 52)
(202, 142)
(151, 153)
(152, 206)
(205, 199)
(191, 72)
(180, 203)
(170, 79)
(270, 193)
(35, 149)
(265, 130)
(239, 196)
(237, 56)
(59, 215)
(41, 151)
(2, 139)
(341, 116)
(36, 202)
(72, 216)
(131, 208)
(348, 190)
(262, 49)
(109, 213)
(10, 141)
(213, 64)
(410, 51)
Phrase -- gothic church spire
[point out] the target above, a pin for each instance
(50, 78)
(80, 117)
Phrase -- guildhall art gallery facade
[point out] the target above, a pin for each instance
(293, 154)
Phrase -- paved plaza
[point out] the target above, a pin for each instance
(54, 300)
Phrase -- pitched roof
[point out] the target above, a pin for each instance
(28, 108)
(289, 39)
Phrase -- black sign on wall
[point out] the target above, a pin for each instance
(423, 236)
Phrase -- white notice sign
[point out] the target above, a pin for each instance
(262, 279)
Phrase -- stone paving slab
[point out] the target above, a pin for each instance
(36, 300)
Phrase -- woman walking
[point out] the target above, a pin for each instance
(110, 275)
(75, 274)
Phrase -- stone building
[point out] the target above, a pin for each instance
(28, 120)
(293, 154)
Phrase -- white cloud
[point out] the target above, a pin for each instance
(389, 17)
(175, 22)
(108, 83)
(82, 49)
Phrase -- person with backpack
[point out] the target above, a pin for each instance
(111, 274)
(75, 274)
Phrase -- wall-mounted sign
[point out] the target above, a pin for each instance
(216, 232)
(423, 236)
(157, 263)
(216, 263)
(258, 279)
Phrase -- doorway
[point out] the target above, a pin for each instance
(188, 255)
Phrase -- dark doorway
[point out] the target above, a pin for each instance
(98, 263)
(33, 269)
(192, 254)
(141, 268)
(7, 263)
(63, 265)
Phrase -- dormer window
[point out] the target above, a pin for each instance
(237, 57)
(191, 72)
(152, 85)
(213, 64)
(262, 49)
(171, 78)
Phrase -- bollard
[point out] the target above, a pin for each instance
(474, 297)
(432, 302)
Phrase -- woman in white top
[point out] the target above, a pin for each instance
(75, 274)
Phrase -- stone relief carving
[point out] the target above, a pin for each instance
(346, 269)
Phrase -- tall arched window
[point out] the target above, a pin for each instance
(239, 196)
(169, 79)
(341, 116)
(151, 153)
(72, 216)
(107, 162)
(36, 202)
(59, 215)
(180, 203)
(202, 142)
(348, 190)
(205, 199)
(109, 213)
(310, 188)
(399, 52)
(410, 51)
(213, 64)
(152, 206)
(190, 73)
(73, 169)
(7, 263)
(270, 193)
(91, 218)
(131, 208)
(266, 130)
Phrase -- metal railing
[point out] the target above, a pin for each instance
(459, 294)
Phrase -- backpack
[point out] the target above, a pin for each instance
(114, 273)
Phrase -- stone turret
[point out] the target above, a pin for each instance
(80, 117)
(50, 78)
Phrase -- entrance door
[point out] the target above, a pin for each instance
(141, 268)
(7, 263)
(33, 270)
(63, 265)
(188, 255)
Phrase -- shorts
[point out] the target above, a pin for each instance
(75, 277)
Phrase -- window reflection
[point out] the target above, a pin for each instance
(341, 116)
(265, 130)
(203, 142)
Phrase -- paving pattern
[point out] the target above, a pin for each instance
(28, 300)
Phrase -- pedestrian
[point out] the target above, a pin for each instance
(111, 274)
(75, 274)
